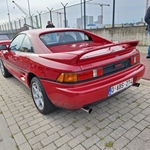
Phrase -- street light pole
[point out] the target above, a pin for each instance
(29, 8)
(31, 21)
(8, 11)
(84, 3)
(113, 18)
(9, 17)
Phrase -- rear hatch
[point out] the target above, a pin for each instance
(95, 60)
(112, 58)
(93, 54)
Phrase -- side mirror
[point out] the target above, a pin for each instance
(3, 47)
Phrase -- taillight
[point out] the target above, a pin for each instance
(85, 75)
(67, 77)
(80, 76)
(135, 59)
(100, 71)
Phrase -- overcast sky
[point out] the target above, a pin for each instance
(35, 5)
(126, 10)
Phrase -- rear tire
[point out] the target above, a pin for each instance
(40, 98)
(4, 71)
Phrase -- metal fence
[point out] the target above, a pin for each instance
(83, 15)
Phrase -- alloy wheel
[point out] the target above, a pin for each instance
(2, 68)
(38, 96)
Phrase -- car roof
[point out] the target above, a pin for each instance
(42, 31)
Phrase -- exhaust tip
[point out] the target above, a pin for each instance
(90, 110)
(136, 84)
(87, 109)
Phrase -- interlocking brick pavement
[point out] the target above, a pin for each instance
(121, 122)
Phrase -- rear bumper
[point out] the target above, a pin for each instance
(75, 96)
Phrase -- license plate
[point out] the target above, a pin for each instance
(116, 88)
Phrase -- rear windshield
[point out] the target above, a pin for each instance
(57, 38)
(5, 37)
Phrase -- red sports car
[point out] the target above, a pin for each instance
(70, 68)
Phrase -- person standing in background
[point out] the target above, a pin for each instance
(147, 20)
(50, 25)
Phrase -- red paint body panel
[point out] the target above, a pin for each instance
(48, 62)
(79, 95)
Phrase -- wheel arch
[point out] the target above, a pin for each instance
(47, 105)
(30, 76)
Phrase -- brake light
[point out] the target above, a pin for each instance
(80, 76)
(99, 71)
(135, 59)
(85, 75)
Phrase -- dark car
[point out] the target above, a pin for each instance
(5, 36)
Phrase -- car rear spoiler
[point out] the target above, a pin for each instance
(75, 56)
(109, 47)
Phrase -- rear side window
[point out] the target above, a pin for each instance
(64, 37)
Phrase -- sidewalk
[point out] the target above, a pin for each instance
(121, 122)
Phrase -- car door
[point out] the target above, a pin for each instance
(11, 56)
(24, 61)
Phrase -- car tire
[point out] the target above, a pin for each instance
(40, 98)
(4, 71)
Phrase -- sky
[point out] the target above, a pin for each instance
(35, 5)
(125, 11)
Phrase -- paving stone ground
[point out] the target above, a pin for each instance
(121, 122)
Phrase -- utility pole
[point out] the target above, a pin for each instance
(9, 16)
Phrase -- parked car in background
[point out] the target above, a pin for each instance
(5, 39)
(5, 36)
(70, 68)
